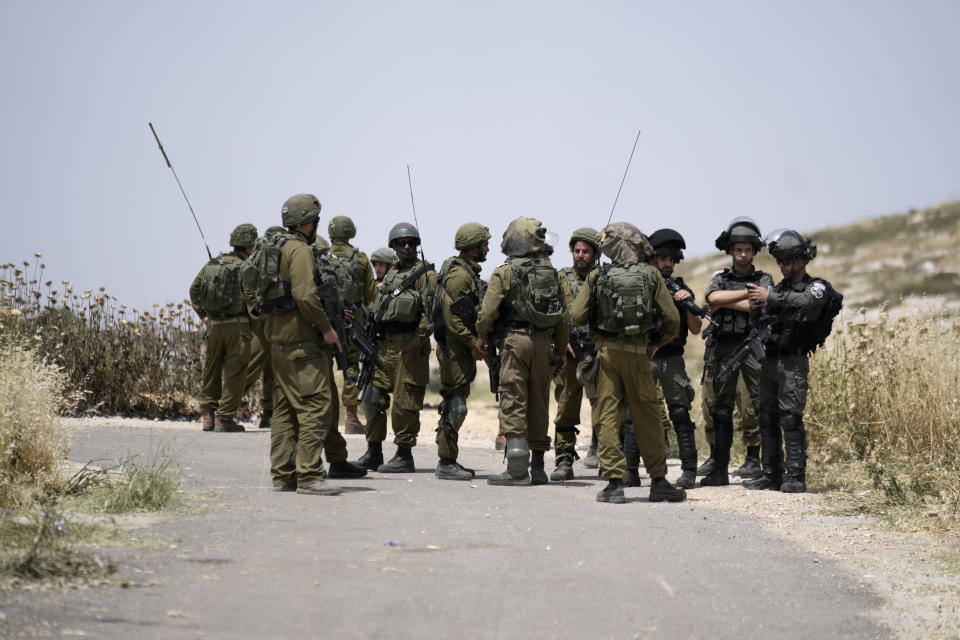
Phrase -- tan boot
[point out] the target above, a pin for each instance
(353, 424)
(206, 417)
(228, 426)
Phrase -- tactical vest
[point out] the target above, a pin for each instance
(346, 270)
(443, 297)
(576, 284)
(801, 332)
(220, 293)
(260, 274)
(623, 300)
(733, 326)
(675, 347)
(535, 299)
(406, 307)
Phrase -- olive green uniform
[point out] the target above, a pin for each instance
(259, 364)
(368, 285)
(458, 369)
(568, 392)
(624, 377)
(227, 353)
(305, 396)
(525, 361)
(405, 323)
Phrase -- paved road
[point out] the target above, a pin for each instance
(469, 559)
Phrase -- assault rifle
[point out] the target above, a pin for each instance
(333, 307)
(579, 342)
(687, 305)
(492, 358)
(761, 334)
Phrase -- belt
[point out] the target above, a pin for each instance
(527, 331)
(293, 346)
(234, 320)
(629, 347)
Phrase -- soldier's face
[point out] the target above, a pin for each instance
(583, 255)
(665, 264)
(479, 253)
(742, 253)
(380, 268)
(791, 268)
(406, 248)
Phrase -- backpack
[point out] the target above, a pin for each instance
(815, 332)
(260, 274)
(220, 286)
(345, 270)
(624, 299)
(442, 297)
(536, 294)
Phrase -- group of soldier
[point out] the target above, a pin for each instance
(613, 332)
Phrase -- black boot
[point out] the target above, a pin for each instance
(687, 446)
(633, 478)
(662, 491)
(537, 474)
(372, 457)
(708, 465)
(613, 492)
(631, 451)
(266, 419)
(723, 439)
(402, 462)
(448, 469)
(771, 458)
(795, 442)
(751, 465)
(564, 470)
(346, 470)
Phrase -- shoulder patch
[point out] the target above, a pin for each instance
(818, 289)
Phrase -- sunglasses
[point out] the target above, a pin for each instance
(784, 260)
(406, 242)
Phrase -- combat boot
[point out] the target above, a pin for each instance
(716, 479)
(564, 470)
(751, 466)
(319, 487)
(590, 460)
(722, 439)
(687, 480)
(350, 470)
(632, 479)
(662, 491)
(762, 483)
(372, 457)
(206, 418)
(708, 465)
(227, 426)
(353, 424)
(795, 443)
(793, 485)
(613, 492)
(537, 474)
(448, 469)
(402, 462)
(266, 419)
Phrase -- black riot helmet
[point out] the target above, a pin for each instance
(787, 243)
(740, 229)
(667, 242)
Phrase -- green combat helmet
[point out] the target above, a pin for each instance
(300, 209)
(522, 237)
(787, 243)
(469, 235)
(322, 246)
(402, 230)
(341, 227)
(588, 235)
(741, 229)
(244, 236)
(383, 254)
(274, 230)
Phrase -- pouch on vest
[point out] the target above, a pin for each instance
(535, 292)
(624, 296)
(220, 287)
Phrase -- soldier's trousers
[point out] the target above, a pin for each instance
(224, 365)
(405, 376)
(457, 371)
(568, 392)
(260, 364)
(525, 372)
(353, 370)
(744, 412)
(671, 375)
(624, 380)
(783, 398)
(305, 414)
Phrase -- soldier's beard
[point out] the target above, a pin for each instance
(666, 272)
(407, 254)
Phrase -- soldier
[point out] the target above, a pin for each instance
(801, 311)
(619, 302)
(727, 296)
(355, 282)
(402, 317)
(217, 298)
(745, 419)
(455, 322)
(568, 392)
(523, 306)
(258, 368)
(382, 259)
(300, 334)
(667, 365)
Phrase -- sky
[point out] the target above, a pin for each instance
(802, 114)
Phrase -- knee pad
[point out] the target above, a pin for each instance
(457, 411)
(373, 403)
(722, 414)
(790, 422)
(766, 421)
(679, 415)
(518, 456)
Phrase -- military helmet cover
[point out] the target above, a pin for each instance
(300, 209)
(740, 229)
(322, 245)
(624, 244)
(522, 237)
(588, 235)
(787, 243)
(403, 230)
(274, 230)
(244, 236)
(667, 242)
(384, 254)
(341, 227)
(469, 235)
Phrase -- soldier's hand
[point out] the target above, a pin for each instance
(757, 295)
(570, 351)
(651, 350)
(206, 321)
(682, 295)
(348, 316)
(478, 353)
(482, 346)
(331, 337)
